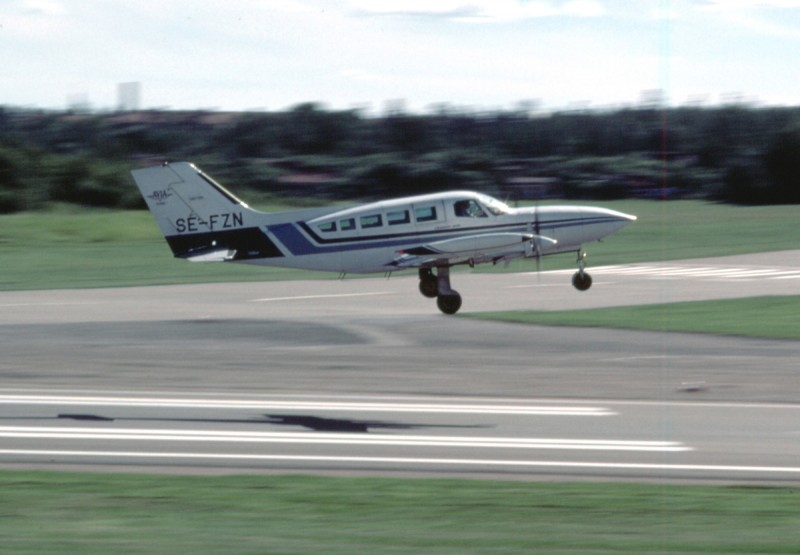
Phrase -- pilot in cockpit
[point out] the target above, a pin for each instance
(468, 209)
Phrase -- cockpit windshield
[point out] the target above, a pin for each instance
(494, 206)
(480, 206)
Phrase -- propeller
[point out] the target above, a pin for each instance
(537, 243)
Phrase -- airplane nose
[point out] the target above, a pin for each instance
(610, 215)
(623, 216)
(604, 221)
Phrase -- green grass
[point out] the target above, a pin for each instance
(104, 513)
(73, 248)
(67, 247)
(773, 317)
(698, 229)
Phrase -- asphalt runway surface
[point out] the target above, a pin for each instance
(364, 376)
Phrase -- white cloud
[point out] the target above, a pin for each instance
(584, 8)
(768, 18)
(740, 4)
(35, 19)
(40, 7)
(480, 10)
(360, 75)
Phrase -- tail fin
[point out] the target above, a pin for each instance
(200, 219)
(183, 198)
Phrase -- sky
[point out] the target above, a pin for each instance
(413, 55)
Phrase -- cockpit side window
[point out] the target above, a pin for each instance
(468, 209)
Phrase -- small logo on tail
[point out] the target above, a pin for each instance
(159, 197)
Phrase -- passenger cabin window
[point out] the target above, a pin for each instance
(348, 224)
(398, 218)
(373, 220)
(327, 227)
(425, 214)
(468, 209)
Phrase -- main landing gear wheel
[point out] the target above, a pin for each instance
(450, 303)
(438, 285)
(581, 281)
(428, 284)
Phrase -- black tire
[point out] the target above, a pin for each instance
(449, 304)
(429, 288)
(581, 281)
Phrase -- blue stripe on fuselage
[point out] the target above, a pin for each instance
(291, 238)
(298, 243)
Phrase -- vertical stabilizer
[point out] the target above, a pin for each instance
(184, 199)
(200, 219)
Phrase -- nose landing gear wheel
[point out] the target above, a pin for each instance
(581, 281)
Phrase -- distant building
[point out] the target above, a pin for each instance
(129, 96)
(78, 102)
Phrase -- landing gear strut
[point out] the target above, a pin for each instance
(581, 280)
(438, 285)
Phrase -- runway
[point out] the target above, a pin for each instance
(511, 438)
(364, 376)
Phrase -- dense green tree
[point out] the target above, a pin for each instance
(736, 152)
(782, 163)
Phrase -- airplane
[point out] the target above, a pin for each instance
(204, 222)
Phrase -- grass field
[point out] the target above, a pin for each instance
(102, 513)
(68, 247)
(769, 317)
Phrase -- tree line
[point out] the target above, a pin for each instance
(736, 153)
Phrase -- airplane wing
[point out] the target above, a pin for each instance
(479, 248)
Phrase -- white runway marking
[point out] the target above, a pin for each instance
(558, 465)
(698, 272)
(378, 406)
(338, 439)
(314, 297)
(59, 304)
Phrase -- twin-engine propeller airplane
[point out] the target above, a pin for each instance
(203, 222)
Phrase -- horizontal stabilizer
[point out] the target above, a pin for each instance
(218, 255)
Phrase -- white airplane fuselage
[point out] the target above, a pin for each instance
(313, 245)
